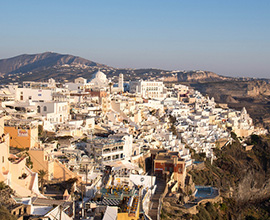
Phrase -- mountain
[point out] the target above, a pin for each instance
(61, 67)
(28, 63)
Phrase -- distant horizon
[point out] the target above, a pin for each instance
(171, 70)
(229, 38)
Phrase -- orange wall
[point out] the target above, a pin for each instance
(22, 142)
(61, 172)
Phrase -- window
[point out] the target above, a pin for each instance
(38, 109)
(45, 108)
(3, 159)
(30, 97)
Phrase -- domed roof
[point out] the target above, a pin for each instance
(99, 75)
(99, 79)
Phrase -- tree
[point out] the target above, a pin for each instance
(40, 130)
(110, 86)
(5, 215)
(29, 162)
(3, 185)
(41, 176)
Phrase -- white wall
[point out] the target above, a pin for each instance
(74, 86)
(54, 111)
(24, 94)
(128, 146)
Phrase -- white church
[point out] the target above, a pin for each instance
(97, 81)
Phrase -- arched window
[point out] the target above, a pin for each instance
(45, 108)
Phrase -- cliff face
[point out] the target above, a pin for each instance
(254, 95)
(198, 76)
(194, 76)
(26, 63)
(235, 89)
(256, 88)
(242, 176)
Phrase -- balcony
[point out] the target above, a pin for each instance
(110, 151)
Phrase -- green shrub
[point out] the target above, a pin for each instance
(203, 214)
(223, 207)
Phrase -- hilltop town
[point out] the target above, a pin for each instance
(94, 148)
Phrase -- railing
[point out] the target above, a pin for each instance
(111, 152)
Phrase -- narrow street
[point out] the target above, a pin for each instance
(155, 198)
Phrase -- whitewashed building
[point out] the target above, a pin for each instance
(149, 89)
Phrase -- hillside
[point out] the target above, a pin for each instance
(68, 67)
(243, 178)
(252, 94)
(27, 63)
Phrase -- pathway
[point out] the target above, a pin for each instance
(155, 198)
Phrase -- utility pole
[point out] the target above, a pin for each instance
(60, 207)
(73, 207)
(82, 200)
(86, 174)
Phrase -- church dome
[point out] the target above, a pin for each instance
(99, 79)
(99, 75)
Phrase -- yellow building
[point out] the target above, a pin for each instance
(212, 119)
(42, 159)
(22, 133)
(13, 171)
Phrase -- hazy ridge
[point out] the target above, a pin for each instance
(68, 67)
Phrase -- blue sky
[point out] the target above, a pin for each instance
(228, 37)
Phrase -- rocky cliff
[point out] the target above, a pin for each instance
(199, 76)
(235, 89)
(253, 94)
(243, 178)
(255, 88)
(194, 76)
